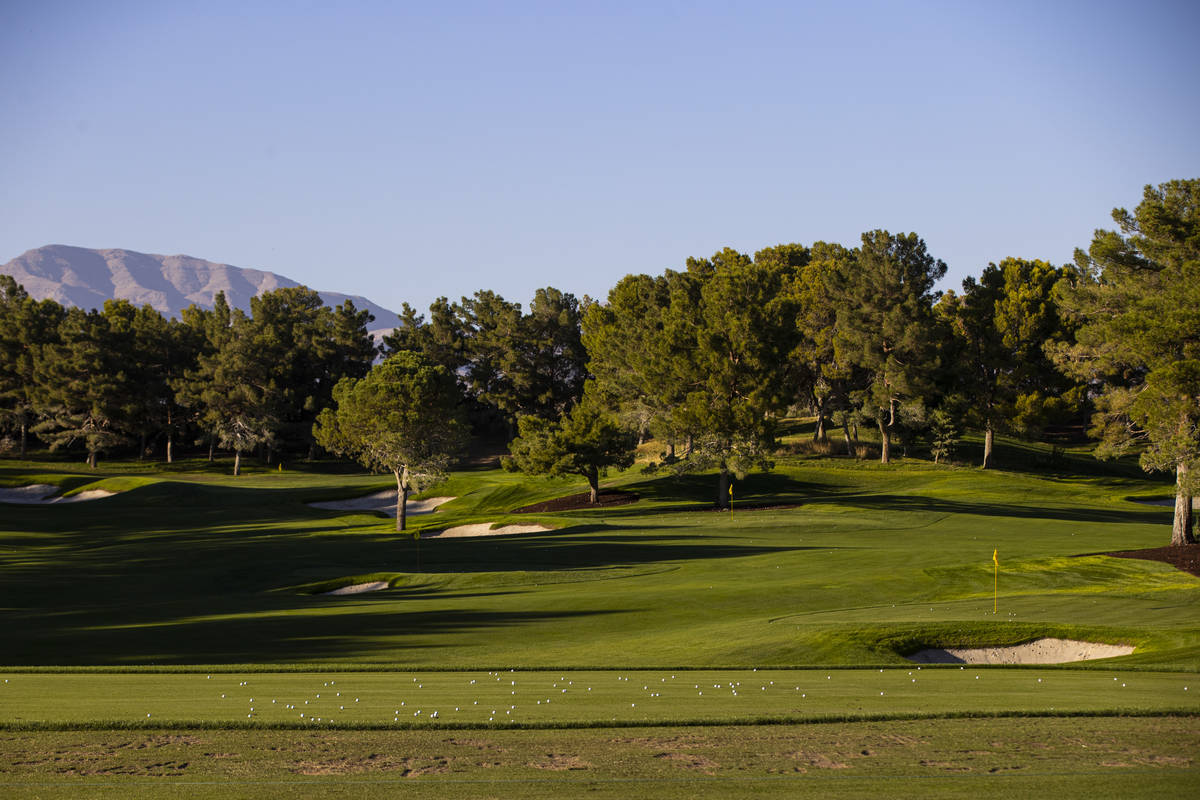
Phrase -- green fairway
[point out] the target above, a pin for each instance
(153, 636)
(198, 568)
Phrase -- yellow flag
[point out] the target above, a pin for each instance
(731, 488)
(995, 560)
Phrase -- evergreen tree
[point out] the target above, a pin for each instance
(633, 356)
(26, 327)
(585, 442)
(1136, 296)
(230, 392)
(1003, 323)
(404, 417)
(886, 327)
(83, 389)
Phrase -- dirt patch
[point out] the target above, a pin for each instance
(559, 762)
(376, 762)
(661, 742)
(1040, 651)
(1181, 556)
(577, 502)
(691, 761)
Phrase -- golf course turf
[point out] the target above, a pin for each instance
(767, 644)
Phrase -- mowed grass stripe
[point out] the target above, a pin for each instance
(568, 698)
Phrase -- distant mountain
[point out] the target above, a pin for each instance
(82, 277)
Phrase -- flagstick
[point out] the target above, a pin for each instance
(996, 582)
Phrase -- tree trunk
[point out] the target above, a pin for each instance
(211, 446)
(691, 443)
(820, 434)
(91, 459)
(989, 438)
(237, 463)
(846, 433)
(723, 489)
(170, 448)
(142, 447)
(24, 436)
(1181, 528)
(885, 443)
(593, 478)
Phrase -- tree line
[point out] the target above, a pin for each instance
(706, 360)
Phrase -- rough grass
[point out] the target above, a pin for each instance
(1077, 758)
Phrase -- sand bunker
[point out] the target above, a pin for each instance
(483, 529)
(1040, 651)
(383, 501)
(359, 588)
(44, 494)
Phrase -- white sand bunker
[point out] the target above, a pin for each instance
(359, 588)
(44, 494)
(1040, 651)
(483, 529)
(383, 501)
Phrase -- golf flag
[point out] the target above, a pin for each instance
(995, 579)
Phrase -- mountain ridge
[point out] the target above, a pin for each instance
(86, 277)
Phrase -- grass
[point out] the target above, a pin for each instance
(123, 607)
(575, 698)
(1077, 758)
(181, 569)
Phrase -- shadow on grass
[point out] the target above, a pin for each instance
(190, 574)
(892, 502)
(301, 635)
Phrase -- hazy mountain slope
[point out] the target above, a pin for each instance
(83, 277)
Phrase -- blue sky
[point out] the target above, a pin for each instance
(409, 150)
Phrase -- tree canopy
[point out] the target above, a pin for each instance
(1136, 297)
(404, 417)
(585, 442)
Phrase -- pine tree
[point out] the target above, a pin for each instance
(26, 327)
(1136, 296)
(83, 389)
(586, 442)
(405, 417)
(886, 327)
(1003, 323)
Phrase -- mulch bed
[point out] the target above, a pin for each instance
(577, 502)
(1181, 556)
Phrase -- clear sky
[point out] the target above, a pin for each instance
(408, 150)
